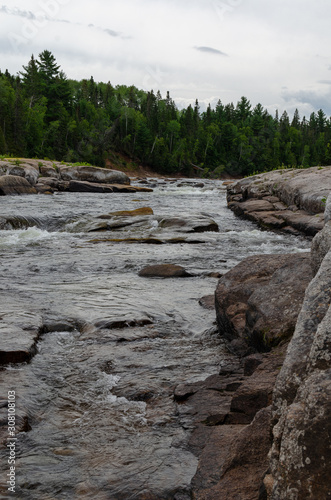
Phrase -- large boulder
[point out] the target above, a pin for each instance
(27, 171)
(93, 174)
(13, 184)
(258, 301)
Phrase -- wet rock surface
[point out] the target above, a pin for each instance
(19, 332)
(231, 432)
(192, 224)
(164, 271)
(290, 200)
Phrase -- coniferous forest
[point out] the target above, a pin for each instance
(44, 114)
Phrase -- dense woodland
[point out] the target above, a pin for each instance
(43, 114)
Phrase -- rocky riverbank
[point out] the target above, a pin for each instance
(273, 439)
(25, 176)
(258, 426)
(291, 200)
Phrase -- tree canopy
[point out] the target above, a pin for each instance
(44, 114)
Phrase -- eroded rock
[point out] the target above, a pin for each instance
(19, 332)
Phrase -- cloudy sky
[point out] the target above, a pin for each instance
(276, 52)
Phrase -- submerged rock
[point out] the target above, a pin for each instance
(207, 302)
(130, 213)
(164, 271)
(190, 224)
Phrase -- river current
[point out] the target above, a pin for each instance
(98, 393)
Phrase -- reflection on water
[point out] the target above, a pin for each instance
(99, 394)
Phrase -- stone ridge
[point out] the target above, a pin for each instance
(291, 200)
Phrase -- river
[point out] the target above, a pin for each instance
(98, 393)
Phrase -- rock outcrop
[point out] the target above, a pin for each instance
(291, 200)
(49, 177)
(258, 301)
(301, 453)
(300, 456)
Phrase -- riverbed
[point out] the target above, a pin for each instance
(97, 397)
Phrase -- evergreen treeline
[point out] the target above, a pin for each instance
(45, 115)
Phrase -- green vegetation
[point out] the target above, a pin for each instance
(45, 115)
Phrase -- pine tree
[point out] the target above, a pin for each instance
(31, 81)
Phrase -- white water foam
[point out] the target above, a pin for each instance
(23, 237)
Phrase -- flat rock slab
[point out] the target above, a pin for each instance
(231, 435)
(76, 186)
(129, 213)
(258, 301)
(19, 332)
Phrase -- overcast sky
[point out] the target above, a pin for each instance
(274, 52)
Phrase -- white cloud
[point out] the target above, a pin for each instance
(210, 50)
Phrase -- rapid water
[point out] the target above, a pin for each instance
(98, 394)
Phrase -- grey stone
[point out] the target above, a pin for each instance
(93, 174)
(258, 301)
(13, 185)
